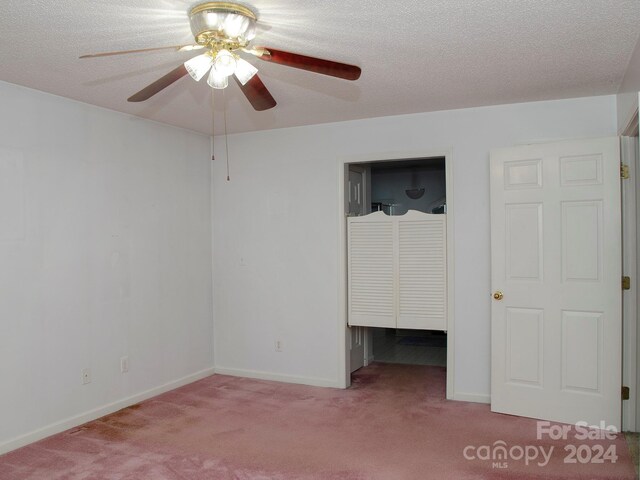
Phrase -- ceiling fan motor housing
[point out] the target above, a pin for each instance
(225, 24)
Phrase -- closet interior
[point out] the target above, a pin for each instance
(397, 270)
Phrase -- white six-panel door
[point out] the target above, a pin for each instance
(556, 273)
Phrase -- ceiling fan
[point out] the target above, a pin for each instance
(224, 30)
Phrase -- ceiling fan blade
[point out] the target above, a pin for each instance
(257, 93)
(160, 84)
(177, 48)
(312, 64)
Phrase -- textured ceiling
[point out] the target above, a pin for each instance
(416, 55)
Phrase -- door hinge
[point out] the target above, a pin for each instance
(625, 393)
(624, 171)
(626, 283)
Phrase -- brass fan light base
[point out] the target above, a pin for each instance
(221, 25)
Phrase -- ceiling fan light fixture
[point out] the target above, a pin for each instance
(216, 80)
(244, 71)
(211, 21)
(199, 66)
(224, 29)
(414, 193)
(225, 63)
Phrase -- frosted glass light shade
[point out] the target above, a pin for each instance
(244, 71)
(217, 80)
(199, 66)
(236, 25)
(209, 21)
(225, 63)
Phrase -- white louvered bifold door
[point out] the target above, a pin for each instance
(371, 271)
(397, 271)
(422, 271)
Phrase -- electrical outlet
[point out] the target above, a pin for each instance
(86, 376)
(124, 364)
(279, 346)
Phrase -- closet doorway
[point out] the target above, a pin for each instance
(410, 347)
(410, 328)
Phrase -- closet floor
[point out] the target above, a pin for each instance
(417, 348)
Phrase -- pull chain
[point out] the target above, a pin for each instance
(213, 130)
(226, 138)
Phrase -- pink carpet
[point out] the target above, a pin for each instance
(394, 423)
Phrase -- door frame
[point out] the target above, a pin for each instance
(630, 267)
(344, 375)
(366, 207)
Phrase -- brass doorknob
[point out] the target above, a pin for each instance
(498, 295)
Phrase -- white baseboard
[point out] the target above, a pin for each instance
(96, 413)
(472, 397)
(277, 377)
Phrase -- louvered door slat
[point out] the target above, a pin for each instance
(397, 271)
(422, 271)
(371, 272)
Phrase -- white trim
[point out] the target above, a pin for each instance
(278, 377)
(214, 270)
(344, 374)
(628, 153)
(472, 397)
(634, 282)
(448, 168)
(344, 359)
(96, 413)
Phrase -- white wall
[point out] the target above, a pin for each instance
(105, 251)
(627, 98)
(276, 230)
